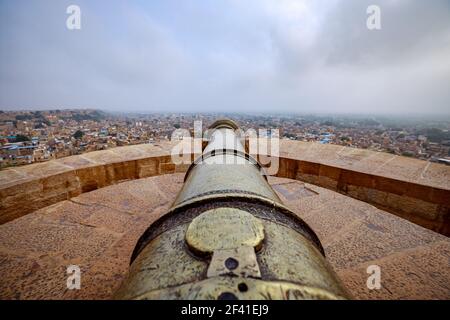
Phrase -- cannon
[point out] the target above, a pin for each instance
(228, 236)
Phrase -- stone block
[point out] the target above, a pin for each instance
(166, 168)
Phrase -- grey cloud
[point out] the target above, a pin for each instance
(255, 55)
(410, 29)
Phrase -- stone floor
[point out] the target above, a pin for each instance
(98, 230)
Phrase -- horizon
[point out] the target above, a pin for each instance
(282, 57)
(437, 116)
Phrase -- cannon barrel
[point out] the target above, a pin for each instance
(228, 236)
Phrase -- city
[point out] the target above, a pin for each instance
(37, 136)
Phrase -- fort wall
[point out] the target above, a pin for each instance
(416, 190)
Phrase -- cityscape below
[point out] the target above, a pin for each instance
(36, 136)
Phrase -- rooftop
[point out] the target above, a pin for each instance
(90, 210)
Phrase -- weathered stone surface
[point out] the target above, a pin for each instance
(28, 188)
(414, 261)
(409, 274)
(370, 162)
(148, 168)
(98, 231)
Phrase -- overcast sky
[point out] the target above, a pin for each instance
(226, 55)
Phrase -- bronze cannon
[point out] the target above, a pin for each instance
(228, 236)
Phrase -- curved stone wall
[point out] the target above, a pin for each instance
(413, 189)
(416, 190)
(98, 231)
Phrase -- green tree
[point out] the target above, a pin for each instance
(24, 117)
(78, 135)
(21, 138)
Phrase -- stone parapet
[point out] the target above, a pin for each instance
(412, 189)
(29, 188)
(416, 190)
(98, 231)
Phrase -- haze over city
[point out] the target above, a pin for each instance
(234, 56)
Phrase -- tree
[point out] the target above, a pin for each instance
(176, 126)
(24, 117)
(407, 154)
(78, 135)
(21, 138)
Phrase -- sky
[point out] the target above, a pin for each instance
(296, 56)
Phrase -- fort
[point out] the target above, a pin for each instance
(367, 208)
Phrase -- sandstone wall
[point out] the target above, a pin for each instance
(26, 189)
(415, 190)
(424, 205)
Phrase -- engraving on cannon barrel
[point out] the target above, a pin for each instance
(224, 228)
